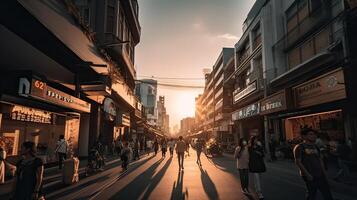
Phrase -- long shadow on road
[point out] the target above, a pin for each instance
(208, 185)
(177, 193)
(135, 188)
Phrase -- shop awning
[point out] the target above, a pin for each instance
(56, 18)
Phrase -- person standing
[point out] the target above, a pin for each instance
(180, 150)
(199, 148)
(125, 155)
(272, 147)
(156, 146)
(164, 147)
(61, 150)
(256, 163)
(308, 159)
(2, 165)
(241, 154)
(171, 146)
(29, 174)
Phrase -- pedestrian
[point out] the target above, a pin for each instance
(272, 148)
(241, 154)
(61, 150)
(156, 146)
(181, 147)
(256, 163)
(163, 147)
(2, 164)
(199, 148)
(125, 156)
(136, 150)
(118, 146)
(148, 146)
(171, 146)
(308, 159)
(343, 153)
(188, 148)
(29, 175)
(323, 148)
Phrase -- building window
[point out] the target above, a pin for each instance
(110, 19)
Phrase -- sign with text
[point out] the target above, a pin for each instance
(246, 91)
(323, 89)
(248, 111)
(274, 103)
(40, 90)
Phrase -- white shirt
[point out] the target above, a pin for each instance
(171, 144)
(62, 146)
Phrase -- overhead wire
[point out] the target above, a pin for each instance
(171, 84)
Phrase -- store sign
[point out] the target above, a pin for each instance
(326, 88)
(21, 113)
(40, 90)
(246, 112)
(109, 108)
(123, 120)
(274, 103)
(248, 90)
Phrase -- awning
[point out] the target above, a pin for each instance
(67, 30)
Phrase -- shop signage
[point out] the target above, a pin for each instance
(248, 90)
(246, 112)
(274, 103)
(109, 108)
(21, 113)
(40, 90)
(326, 88)
(123, 120)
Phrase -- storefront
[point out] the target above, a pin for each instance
(248, 122)
(39, 113)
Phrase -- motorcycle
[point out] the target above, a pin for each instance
(213, 149)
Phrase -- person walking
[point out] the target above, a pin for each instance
(29, 174)
(199, 148)
(241, 154)
(156, 146)
(118, 146)
(272, 148)
(343, 153)
(171, 144)
(163, 147)
(61, 150)
(188, 148)
(125, 155)
(2, 164)
(256, 163)
(136, 150)
(308, 159)
(148, 146)
(181, 147)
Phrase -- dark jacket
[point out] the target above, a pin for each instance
(256, 160)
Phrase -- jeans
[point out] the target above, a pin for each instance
(180, 156)
(61, 158)
(257, 184)
(244, 178)
(318, 183)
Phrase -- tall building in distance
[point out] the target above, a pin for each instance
(187, 125)
(146, 91)
(162, 116)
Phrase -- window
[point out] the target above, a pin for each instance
(294, 57)
(307, 50)
(315, 4)
(110, 19)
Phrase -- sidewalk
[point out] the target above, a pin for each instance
(340, 190)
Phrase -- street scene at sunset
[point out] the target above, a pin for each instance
(178, 99)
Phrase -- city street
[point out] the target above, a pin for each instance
(157, 178)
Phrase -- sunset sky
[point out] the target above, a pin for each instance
(180, 38)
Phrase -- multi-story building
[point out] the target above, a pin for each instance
(146, 90)
(162, 116)
(187, 124)
(63, 79)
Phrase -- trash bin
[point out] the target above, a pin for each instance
(70, 171)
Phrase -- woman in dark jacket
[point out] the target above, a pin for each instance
(256, 163)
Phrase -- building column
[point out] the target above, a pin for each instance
(83, 143)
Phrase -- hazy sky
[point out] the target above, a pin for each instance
(181, 37)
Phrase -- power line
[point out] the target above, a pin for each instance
(173, 78)
(171, 84)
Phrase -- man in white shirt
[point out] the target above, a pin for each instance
(61, 150)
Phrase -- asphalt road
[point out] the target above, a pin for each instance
(157, 178)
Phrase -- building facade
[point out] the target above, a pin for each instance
(146, 90)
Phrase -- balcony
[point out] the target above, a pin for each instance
(131, 10)
(242, 57)
(257, 42)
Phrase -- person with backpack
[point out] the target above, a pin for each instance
(61, 150)
(241, 154)
(256, 163)
(308, 159)
(343, 152)
(29, 174)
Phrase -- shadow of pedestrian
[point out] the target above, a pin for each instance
(135, 188)
(157, 178)
(208, 185)
(177, 189)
